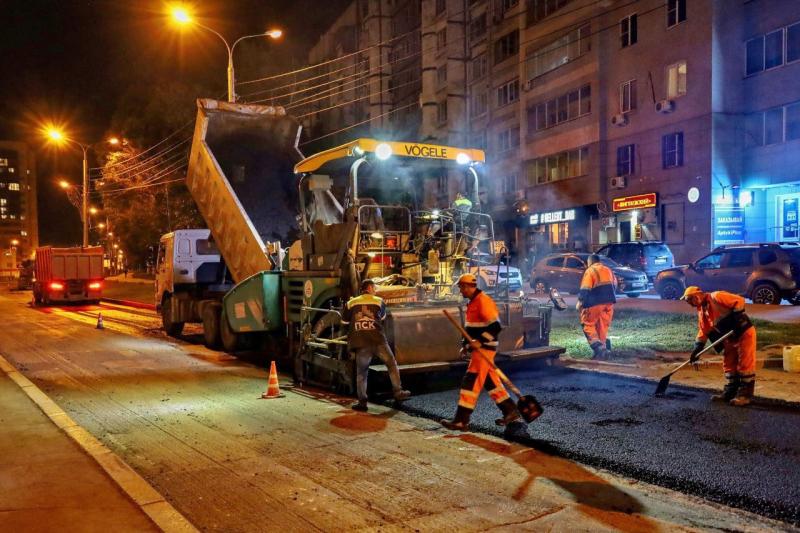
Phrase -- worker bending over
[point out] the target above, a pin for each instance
(483, 326)
(596, 301)
(718, 313)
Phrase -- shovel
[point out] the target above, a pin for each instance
(527, 405)
(664, 383)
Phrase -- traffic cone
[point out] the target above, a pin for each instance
(100, 321)
(273, 389)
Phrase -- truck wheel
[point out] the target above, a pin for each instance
(211, 326)
(229, 338)
(171, 327)
(766, 293)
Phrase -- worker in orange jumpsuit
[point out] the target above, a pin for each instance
(483, 326)
(596, 301)
(718, 313)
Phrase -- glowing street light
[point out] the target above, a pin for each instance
(64, 184)
(14, 242)
(181, 16)
(92, 210)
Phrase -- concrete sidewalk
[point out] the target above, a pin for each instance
(48, 483)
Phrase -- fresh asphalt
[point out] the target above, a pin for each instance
(741, 457)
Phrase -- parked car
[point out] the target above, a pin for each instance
(765, 272)
(564, 271)
(496, 278)
(650, 257)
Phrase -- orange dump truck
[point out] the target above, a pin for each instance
(68, 274)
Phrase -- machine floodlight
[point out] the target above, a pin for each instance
(463, 159)
(383, 151)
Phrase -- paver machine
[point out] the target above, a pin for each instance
(357, 217)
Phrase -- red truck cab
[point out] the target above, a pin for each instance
(68, 274)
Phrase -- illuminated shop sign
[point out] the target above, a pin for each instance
(728, 225)
(640, 201)
(552, 217)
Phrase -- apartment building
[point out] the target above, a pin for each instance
(19, 228)
(371, 84)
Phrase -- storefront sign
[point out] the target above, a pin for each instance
(552, 217)
(640, 201)
(790, 214)
(728, 225)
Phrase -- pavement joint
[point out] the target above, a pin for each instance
(161, 512)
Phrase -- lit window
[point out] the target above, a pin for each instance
(628, 31)
(3, 201)
(23, 233)
(10, 170)
(676, 80)
(3, 162)
(13, 186)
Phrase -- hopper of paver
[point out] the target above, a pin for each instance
(241, 177)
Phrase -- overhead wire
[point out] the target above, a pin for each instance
(144, 162)
(395, 110)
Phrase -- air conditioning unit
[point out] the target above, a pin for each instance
(665, 106)
(618, 182)
(620, 120)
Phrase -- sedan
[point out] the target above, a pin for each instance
(564, 271)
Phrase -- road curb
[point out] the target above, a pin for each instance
(161, 512)
(129, 303)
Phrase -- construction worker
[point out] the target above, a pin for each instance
(366, 313)
(718, 313)
(483, 326)
(596, 301)
(462, 203)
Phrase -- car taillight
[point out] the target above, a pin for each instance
(95, 285)
(56, 286)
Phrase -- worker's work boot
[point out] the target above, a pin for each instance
(744, 395)
(599, 350)
(728, 391)
(510, 412)
(359, 406)
(608, 344)
(460, 422)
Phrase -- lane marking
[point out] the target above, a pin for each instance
(148, 499)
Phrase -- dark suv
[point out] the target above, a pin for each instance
(650, 257)
(765, 273)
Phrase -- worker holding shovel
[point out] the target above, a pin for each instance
(482, 325)
(718, 313)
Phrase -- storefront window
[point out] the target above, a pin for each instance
(559, 235)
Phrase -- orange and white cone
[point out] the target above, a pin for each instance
(273, 389)
(100, 321)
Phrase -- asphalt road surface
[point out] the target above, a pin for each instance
(742, 457)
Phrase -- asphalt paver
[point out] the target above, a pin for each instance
(742, 457)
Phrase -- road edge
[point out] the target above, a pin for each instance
(148, 499)
(129, 303)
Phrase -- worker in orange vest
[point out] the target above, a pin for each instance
(718, 313)
(483, 326)
(596, 300)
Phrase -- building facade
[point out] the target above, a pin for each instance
(614, 121)
(19, 229)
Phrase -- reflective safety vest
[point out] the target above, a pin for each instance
(366, 313)
(462, 204)
(597, 286)
(717, 312)
(483, 320)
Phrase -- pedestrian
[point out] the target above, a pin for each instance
(366, 313)
(483, 326)
(596, 301)
(718, 313)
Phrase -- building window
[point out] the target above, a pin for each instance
(754, 55)
(772, 50)
(627, 96)
(628, 31)
(479, 140)
(23, 233)
(626, 160)
(672, 150)
(508, 139)
(441, 112)
(542, 60)
(793, 43)
(440, 6)
(569, 106)
(506, 46)
(477, 28)
(480, 104)
(754, 130)
(441, 185)
(676, 80)
(3, 162)
(540, 9)
(508, 184)
(793, 122)
(676, 12)
(441, 75)
(508, 93)
(479, 67)
(563, 165)
(13, 186)
(773, 126)
(506, 5)
(441, 39)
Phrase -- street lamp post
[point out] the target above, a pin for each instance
(59, 137)
(182, 17)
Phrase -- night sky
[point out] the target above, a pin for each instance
(71, 61)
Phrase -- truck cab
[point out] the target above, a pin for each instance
(190, 274)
